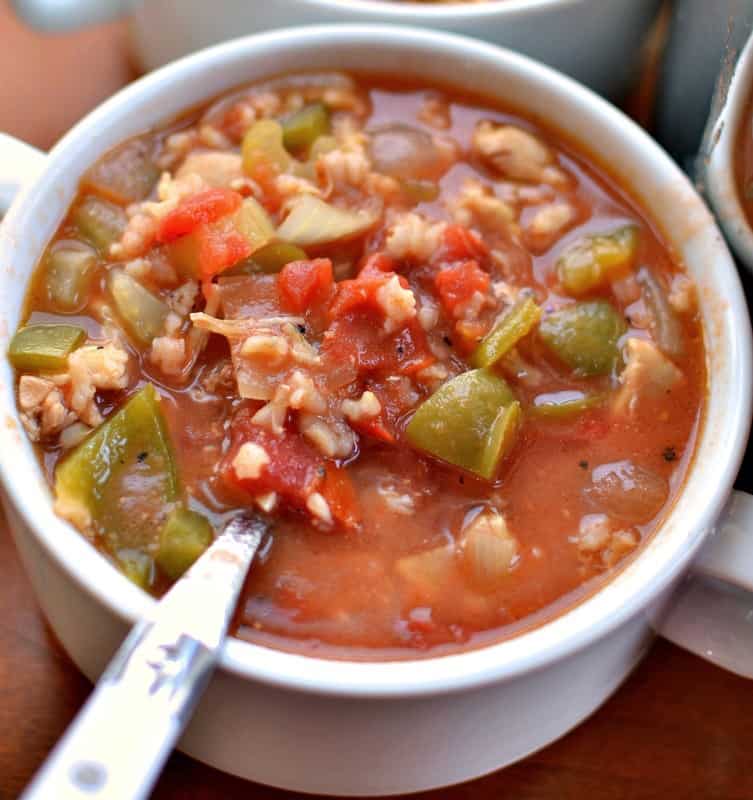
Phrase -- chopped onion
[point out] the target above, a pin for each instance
(627, 492)
(311, 221)
(489, 550)
(405, 152)
(143, 314)
(665, 325)
(427, 572)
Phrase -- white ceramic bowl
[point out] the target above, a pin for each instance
(340, 727)
(716, 163)
(596, 41)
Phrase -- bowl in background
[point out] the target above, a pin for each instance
(598, 42)
(718, 162)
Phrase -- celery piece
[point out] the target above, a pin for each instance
(470, 422)
(253, 223)
(311, 222)
(121, 481)
(584, 336)
(142, 313)
(185, 536)
(302, 128)
(100, 223)
(593, 261)
(68, 272)
(262, 145)
(564, 404)
(274, 256)
(44, 346)
(509, 329)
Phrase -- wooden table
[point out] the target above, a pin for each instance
(678, 727)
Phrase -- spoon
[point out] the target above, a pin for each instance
(121, 738)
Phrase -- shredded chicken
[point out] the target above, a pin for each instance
(516, 154)
(94, 367)
(648, 374)
(548, 224)
(413, 237)
(478, 205)
(168, 353)
(600, 545)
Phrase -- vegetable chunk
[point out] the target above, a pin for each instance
(121, 482)
(585, 336)
(470, 422)
(44, 346)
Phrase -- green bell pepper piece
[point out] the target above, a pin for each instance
(44, 347)
(593, 261)
(470, 422)
(584, 336)
(516, 323)
(99, 222)
(302, 128)
(122, 479)
(186, 535)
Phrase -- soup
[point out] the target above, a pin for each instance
(447, 355)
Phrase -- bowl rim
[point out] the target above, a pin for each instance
(594, 617)
(717, 163)
(411, 10)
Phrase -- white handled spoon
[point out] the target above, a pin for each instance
(121, 738)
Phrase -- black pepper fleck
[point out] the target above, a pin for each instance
(141, 457)
(400, 350)
(669, 454)
(461, 478)
(100, 347)
(301, 328)
(583, 464)
(446, 339)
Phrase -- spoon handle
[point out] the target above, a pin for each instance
(118, 743)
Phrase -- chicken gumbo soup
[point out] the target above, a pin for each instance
(446, 354)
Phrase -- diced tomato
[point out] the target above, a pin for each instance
(460, 244)
(376, 264)
(295, 469)
(360, 339)
(340, 493)
(375, 428)
(195, 210)
(457, 284)
(219, 247)
(304, 285)
(361, 292)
